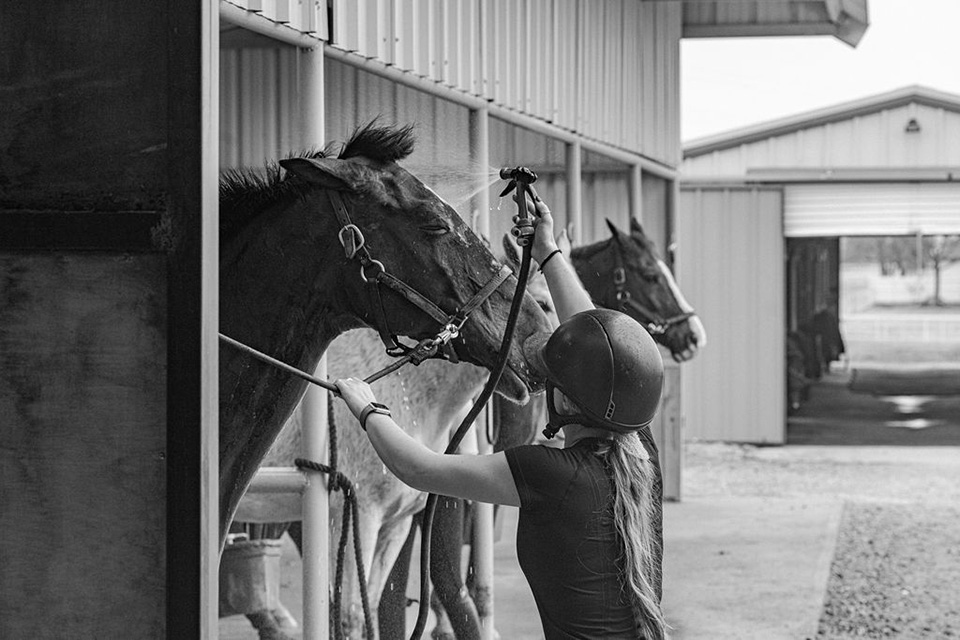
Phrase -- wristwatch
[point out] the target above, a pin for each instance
(373, 407)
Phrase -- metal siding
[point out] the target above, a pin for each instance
(587, 66)
(864, 141)
(731, 269)
(865, 209)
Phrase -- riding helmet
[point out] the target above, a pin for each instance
(606, 363)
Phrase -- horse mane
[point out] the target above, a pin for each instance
(248, 191)
(588, 251)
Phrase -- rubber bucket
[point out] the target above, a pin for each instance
(249, 577)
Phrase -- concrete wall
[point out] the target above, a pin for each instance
(103, 196)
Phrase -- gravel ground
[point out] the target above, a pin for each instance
(896, 569)
(895, 573)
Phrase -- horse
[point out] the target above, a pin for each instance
(429, 401)
(307, 254)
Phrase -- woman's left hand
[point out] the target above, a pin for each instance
(356, 393)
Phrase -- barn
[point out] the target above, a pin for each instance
(788, 191)
(118, 117)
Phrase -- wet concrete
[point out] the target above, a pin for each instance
(889, 405)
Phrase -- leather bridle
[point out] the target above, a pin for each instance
(374, 274)
(652, 321)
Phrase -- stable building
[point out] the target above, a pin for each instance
(117, 120)
(761, 212)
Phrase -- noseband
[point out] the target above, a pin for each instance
(652, 321)
(374, 274)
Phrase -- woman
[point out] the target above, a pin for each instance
(587, 535)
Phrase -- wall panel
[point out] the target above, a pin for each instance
(731, 269)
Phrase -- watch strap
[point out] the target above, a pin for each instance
(373, 407)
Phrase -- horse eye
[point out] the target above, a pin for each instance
(435, 229)
(650, 275)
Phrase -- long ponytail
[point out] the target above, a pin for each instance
(633, 513)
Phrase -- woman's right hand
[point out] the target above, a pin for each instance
(543, 241)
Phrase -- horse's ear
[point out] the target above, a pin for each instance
(613, 228)
(636, 228)
(511, 251)
(329, 173)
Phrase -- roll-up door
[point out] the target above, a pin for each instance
(871, 209)
(730, 266)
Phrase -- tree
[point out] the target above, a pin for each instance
(941, 251)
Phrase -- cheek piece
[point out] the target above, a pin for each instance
(557, 420)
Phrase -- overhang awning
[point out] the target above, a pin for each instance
(844, 19)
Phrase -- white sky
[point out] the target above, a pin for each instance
(734, 82)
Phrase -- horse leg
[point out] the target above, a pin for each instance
(445, 568)
(352, 615)
(393, 537)
(392, 611)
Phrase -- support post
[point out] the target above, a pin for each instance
(483, 513)
(316, 506)
(575, 192)
(635, 185)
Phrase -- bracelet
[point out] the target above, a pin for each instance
(373, 407)
(547, 259)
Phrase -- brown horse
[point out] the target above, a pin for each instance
(290, 283)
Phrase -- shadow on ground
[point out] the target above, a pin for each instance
(881, 405)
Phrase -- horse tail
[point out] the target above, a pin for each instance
(634, 511)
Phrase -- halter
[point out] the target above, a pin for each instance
(654, 323)
(374, 274)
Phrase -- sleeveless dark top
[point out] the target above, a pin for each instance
(567, 543)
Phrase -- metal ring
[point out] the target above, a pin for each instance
(619, 275)
(373, 263)
(355, 231)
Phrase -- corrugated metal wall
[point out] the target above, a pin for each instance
(867, 141)
(731, 266)
(872, 209)
(259, 98)
(607, 69)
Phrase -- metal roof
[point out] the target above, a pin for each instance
(844, 19)
(913, 94)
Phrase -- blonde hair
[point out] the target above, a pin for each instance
(633, 515)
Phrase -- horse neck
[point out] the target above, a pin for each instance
(279, 293)
(597, 283)
(279, 283)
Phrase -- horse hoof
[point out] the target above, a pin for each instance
(284, 618)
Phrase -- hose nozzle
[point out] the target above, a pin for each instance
(518, 174)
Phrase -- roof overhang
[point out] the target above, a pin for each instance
(913, 94)
(846, 20)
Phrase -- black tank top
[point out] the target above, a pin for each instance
(567, 543)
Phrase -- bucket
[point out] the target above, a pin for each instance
(249, 577)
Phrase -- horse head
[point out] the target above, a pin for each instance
(415, 237)
(626, 273)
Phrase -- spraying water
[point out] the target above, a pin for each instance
(457, 184)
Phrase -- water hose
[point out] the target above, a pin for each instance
(520, 179)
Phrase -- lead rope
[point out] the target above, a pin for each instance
(524, 232)
(351, 512)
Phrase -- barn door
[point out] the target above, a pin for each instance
(730, 264)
